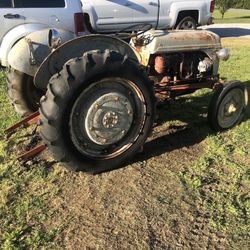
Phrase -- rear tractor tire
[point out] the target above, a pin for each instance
(97, 112)
(22, 92)
(227, 106)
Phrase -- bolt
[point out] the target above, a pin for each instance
(43, 98)
(39, 123)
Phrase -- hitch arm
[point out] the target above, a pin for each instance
(24, 123)
(32, 119)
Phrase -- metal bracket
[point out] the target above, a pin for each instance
(32, 119)
(32, 152)
(27, 121)
(32, 52)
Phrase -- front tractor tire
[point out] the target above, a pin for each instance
(22, 92)
(227, 106)
(97, 112)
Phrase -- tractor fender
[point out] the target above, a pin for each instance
(28, 53)
(13, 36)
(76, 48)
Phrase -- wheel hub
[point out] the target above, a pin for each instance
(188, 25)
(231, 108)
(108, 119)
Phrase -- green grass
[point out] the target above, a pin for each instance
(216, 183)
(219, 180)
(24, 190)
(232, 16)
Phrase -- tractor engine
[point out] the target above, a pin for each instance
(179, 67)
(178, 58)
(169, 70)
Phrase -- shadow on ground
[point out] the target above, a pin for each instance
(231, 32)
(242, 17)
(190, 110)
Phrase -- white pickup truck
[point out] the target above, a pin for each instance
(19, 18)
(114, 15)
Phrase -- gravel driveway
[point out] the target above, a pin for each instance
(236, 30)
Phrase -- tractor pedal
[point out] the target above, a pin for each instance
(24, 123)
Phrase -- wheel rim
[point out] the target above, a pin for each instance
(107, 118)
(231, 108)
(187, 25)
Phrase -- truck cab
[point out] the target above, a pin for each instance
(113, 15)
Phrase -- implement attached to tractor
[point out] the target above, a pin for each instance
(32, 119)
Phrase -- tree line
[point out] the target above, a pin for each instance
(244, 4)
(224, 5)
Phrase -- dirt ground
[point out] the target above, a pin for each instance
(141, 206)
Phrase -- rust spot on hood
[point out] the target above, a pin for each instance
(198, 35)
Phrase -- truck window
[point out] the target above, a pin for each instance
(39, 3)
(5, 4)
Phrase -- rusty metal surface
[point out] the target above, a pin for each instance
(164, 90)
(29, 120)
(190, 86)
(75, 48)
(24, 123)
(31, 153)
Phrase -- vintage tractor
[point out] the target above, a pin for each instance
(101, 92)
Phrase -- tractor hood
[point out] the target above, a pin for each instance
(164, 41)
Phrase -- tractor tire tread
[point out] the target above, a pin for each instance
(63, 86)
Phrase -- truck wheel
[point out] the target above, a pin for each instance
(187, 23)
(97, 112)
(227, 106)
(22, 92)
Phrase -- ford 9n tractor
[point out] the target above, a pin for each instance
(100, 92)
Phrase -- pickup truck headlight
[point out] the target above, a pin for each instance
(223, 54)
(54, 39)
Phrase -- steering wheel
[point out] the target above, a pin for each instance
(136, 29)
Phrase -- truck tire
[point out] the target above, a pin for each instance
(187, 23)
(22, 92)
(97, 112)
(227, 106)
